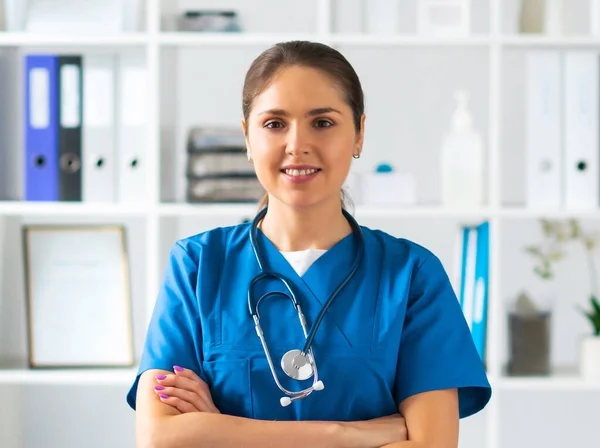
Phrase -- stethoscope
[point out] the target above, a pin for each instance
(297, 364)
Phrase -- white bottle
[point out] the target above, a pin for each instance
(554, 17)
(595, 17)
(462, 159)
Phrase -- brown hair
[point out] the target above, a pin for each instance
(306, 54)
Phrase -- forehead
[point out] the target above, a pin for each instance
(299, 88)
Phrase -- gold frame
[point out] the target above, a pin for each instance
(26, 231)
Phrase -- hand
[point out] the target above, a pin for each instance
(185, 391)
(378, 432)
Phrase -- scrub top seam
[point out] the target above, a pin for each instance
(225, 242)
(200, 360)
(378, 311)
(425, 260)
(408, 303)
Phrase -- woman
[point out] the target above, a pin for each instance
(393, 351)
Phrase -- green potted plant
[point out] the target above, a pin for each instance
(571, 231)
(590, 343)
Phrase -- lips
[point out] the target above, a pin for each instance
(300, 173)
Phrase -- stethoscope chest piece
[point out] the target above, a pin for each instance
(296, 365)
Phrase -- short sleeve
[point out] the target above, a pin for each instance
(437, 350)
(173, 336)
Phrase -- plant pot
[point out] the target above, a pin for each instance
(529, 344)
(590, 358)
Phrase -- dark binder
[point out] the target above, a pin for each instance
(70, 112)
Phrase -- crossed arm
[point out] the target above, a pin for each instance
(429, 419)
(432, 420)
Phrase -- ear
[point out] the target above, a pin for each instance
(245, 131)
(360, 136)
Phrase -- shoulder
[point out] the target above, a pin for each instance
(210, 243)
(400, 251)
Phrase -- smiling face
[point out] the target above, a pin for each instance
(301, 136)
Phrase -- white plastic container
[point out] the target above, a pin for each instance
(444, 18)
(461, 161)
(391, 188)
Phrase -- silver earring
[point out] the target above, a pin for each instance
(356, 156)
(249, 157)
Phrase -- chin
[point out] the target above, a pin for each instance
(303, 201)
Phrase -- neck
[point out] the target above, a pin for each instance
(293, 229)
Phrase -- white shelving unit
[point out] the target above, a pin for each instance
(162, 221)
(67, 377)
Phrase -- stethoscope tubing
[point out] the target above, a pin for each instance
(261, 264)
(253, 307)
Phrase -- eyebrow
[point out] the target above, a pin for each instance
(311, 113)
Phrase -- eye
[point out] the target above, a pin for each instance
(273, 125)
(323, 123)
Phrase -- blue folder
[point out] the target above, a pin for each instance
(41, 128)
(479, 325)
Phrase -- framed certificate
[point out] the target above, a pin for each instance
(78, 296)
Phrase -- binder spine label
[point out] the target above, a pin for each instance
(39, 98)
(70, 116)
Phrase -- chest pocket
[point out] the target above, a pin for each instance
(230, 385)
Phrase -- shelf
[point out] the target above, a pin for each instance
(197, 39)
(68, 376)
(174, 210)
(561, 380)
(392, 211)
(192, 39)
(23, 208)
(523, 212)
(70, 209)
(549, 41)
(408, 40)
(175, 38)
(13, 39)
(201, 209)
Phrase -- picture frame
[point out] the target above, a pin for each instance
(78, 296)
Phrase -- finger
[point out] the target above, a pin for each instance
(189, 397)
(187, 373)
(202, 398)
(199, 388)
(182, 406)
(182, 383)
(199, 404)
(191, 375)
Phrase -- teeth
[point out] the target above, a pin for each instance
(300, 172)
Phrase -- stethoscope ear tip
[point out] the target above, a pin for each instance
(285, 401)
(319, 385)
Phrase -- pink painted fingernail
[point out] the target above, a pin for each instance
(163, 396)
(159, 388)
(179, 369)
(161, 377)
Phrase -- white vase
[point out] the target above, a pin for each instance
(590, 358)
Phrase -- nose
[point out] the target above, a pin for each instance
(297, 142)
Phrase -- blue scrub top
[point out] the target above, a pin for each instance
(395, 330)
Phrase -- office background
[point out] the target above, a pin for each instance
(412, 59)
